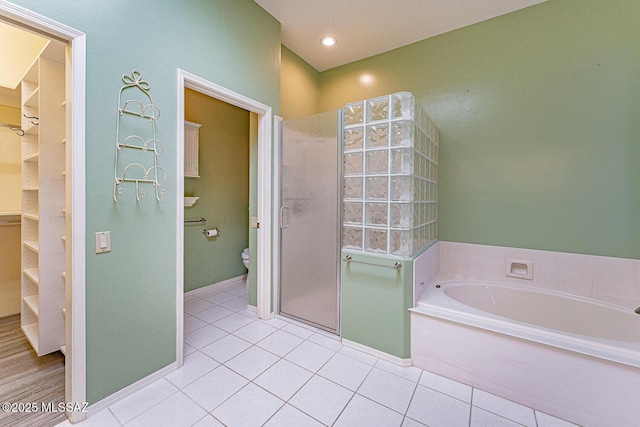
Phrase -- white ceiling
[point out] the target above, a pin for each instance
(368, 27)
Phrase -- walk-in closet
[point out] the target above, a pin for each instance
(33, 222)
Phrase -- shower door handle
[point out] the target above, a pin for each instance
(282, 223)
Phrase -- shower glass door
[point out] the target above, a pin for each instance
(310, 220)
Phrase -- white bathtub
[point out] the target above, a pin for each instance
(571, 357)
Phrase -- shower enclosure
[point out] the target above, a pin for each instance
(360, 182)
(310, 220)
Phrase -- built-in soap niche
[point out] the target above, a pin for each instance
(519, 269)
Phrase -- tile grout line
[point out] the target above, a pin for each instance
(314, 332)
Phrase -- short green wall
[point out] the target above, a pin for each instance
(538, 113)
(223, 191)
(376, 302)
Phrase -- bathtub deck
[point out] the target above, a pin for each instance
(571, 386)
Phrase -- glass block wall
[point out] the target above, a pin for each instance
(390, 176)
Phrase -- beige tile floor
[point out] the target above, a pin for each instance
(243, 371)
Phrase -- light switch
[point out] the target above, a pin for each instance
(103, 241)
(254, 222)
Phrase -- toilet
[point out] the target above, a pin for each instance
(245, 261)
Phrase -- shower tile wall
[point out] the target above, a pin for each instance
(390, 176)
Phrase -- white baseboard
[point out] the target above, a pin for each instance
(225, 284)
(377, 353)
(127, 391)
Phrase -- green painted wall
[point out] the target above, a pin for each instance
(223, 188)
(131, 291)
(538, 112)
(376, 302)
(299, 87)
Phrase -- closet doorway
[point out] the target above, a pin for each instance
(45, 110)
(33, 337)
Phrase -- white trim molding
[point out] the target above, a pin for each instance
(223, 285)
(129, 390)
(277, 220)
(377, 353)
(75, 384)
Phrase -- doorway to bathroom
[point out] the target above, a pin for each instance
(261, 125)
(310, 226)
(217, 189)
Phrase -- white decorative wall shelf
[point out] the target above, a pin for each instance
(140, 168)
(190, 201)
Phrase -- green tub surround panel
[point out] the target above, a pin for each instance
(376, 302)
(223, 191)
(538, 113)
(131, 291)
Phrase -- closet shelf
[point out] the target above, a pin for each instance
(43, 194)
(32, 158)
(33, 274)
(31, 129)
(34, 245)
(34, 217)
(33, 304)
(31, 332)
(33, 99)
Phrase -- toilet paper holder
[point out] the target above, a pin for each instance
(211, 233)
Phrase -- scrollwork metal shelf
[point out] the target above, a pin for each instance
(146, 170)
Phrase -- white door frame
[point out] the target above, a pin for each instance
(75, 364)
(264, 261)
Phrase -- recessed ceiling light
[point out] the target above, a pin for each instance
(328, 41)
